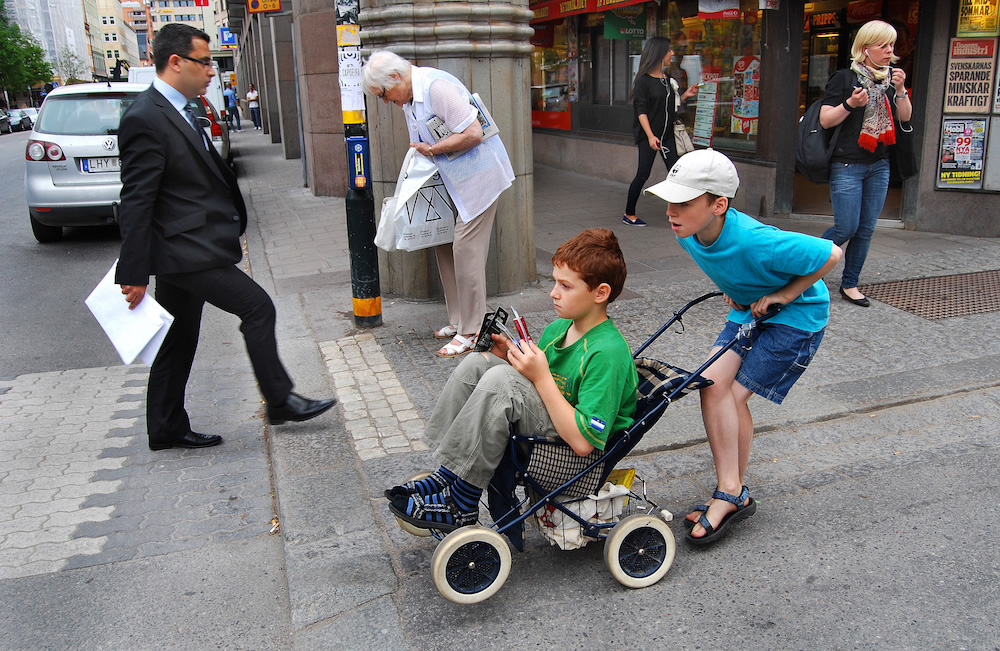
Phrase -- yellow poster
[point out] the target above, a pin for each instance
(978, 18)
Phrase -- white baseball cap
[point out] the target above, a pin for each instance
(698, 172)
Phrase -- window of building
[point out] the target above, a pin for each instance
(104, 20)
(109, 55)
(114, 37)
(117, 55)
(107, 38)
(165, 19)
(589, 59)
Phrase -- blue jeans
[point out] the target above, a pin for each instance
(857, 191)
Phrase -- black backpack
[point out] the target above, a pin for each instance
(815, 145)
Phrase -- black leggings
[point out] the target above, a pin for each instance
(646, 158)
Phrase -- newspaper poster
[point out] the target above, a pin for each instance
(969, 79)
(746, 95)
(961, 160)
(978, 18)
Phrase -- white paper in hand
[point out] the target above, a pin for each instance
(134, 333)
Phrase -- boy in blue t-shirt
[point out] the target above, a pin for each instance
(755, 266)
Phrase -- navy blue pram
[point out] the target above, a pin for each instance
(473, 562)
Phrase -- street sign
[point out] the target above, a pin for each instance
(262, 6)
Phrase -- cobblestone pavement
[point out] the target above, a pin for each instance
(79, 486)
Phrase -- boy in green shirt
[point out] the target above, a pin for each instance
(578, 384)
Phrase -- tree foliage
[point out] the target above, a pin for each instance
(23, 58)
(70, 66)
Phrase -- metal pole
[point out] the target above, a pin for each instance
(360, 202)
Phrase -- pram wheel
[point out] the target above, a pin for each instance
(470, 565)
(406, 526)
(639, 550)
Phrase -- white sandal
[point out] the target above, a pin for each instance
(451, 349)
(447, 332)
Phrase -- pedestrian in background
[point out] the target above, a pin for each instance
(232, 110)
(474, 180)
(655, 101)
(253, 103)
(181, 218)
(870, 100)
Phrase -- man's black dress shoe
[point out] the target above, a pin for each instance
(863, 301)
(297, 409)
(189, 440)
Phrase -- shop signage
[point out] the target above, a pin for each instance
(555, 9)
(826, 21)
(969, 79)
(978, 18)
(704, 114)
(625, 24)
(746, 95)
(861, 11)
(718, 9)
(961, 155)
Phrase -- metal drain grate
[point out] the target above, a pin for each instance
(941, 297)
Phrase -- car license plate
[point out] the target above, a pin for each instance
(94, 165)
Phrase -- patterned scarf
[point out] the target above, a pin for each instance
(877, 126)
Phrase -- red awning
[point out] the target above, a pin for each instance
(556, 9)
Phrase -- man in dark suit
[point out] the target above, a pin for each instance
(181, 219)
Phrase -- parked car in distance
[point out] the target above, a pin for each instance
(31, 113)
(19, 120)
(72, 174)
(4, 122)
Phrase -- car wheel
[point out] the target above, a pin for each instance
(44, 233)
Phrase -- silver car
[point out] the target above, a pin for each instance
(72, 173)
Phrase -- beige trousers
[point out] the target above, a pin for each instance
(462, 265)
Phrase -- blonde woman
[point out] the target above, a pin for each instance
(870, 100)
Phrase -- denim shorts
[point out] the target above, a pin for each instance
(774, 357)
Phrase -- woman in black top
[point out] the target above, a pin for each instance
(654, 104)
(871, 102)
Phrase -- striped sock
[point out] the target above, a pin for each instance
(466, 495)
(434, 507)
(435, 482)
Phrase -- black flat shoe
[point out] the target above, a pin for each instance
(297, 409)
(863, 301)
(189, 440)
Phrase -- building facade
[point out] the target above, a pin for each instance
(761, 68)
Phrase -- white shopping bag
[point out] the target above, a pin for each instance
(420, 214)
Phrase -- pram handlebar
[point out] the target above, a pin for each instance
(674, 319)
(744, 331)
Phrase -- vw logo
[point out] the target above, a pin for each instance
(109, 144)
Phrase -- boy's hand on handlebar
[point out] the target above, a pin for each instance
(733, 304)
(764, 303)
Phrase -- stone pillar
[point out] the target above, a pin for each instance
(485, 44)
(315, 34)
(286, 117)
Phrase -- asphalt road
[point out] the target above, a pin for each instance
(46, 325)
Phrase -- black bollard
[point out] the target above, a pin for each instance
(360, 205)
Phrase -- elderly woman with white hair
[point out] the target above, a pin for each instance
(475, 179)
